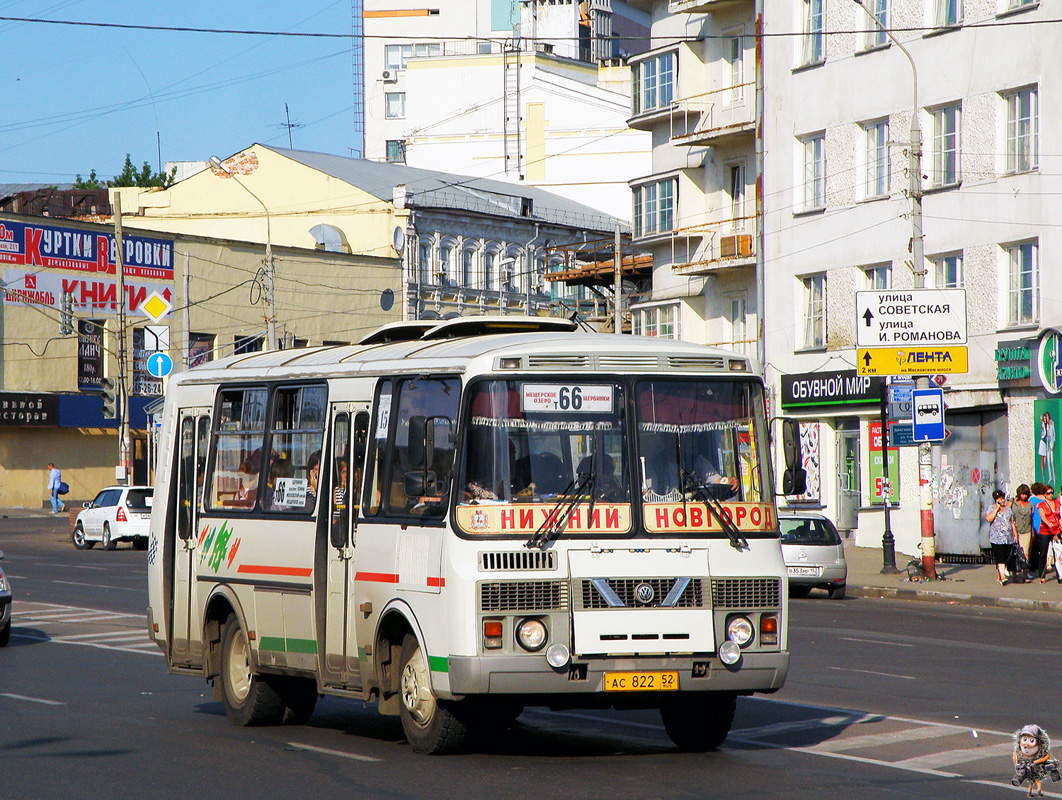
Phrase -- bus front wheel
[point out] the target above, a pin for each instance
(430, 725)
(699, 722)
(248, 697)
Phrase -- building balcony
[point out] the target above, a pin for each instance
(712, 247)
(702, 6)
(714, 118)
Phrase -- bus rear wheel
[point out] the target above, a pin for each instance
(430, 724)
(249, 698)
(699, 722)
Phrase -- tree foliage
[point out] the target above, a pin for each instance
(129, 176)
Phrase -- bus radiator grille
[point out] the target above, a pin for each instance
(512, 561)
(746, 592)
(523, 596)
(626, 589)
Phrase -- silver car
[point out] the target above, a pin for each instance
(117, 514)
(813, 554)
(5, 606)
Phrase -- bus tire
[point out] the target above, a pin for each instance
(78, 538)
(430, 724)
(249, 698)
(108, 542)
(699, 722)
(299, 696)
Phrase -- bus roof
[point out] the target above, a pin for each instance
(452, 345)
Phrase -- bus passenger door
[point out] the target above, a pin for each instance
(340, 665)
(186, 635)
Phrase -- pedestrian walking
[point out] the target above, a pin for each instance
(1041, 538)
(1022, 510)
(1001, 534)
(1051, 528)
(55, 477)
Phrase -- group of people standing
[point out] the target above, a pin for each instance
(1026, 533)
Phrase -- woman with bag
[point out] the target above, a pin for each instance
(1051, 527)
(1022, 510)
(1000, 533)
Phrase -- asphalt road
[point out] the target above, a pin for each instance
(885, 698)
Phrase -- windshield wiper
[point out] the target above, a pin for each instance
(703, 492)
(557, 519)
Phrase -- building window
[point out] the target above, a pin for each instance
(877, 178)
(948, 271)
(395, 105)
(446, 257)
(814, 40)
(661, 321)
(737, 195)
(490, 269)
(424, 262)
(248, 344)
(1023, 290)
(815, 311)
(734, 314)
(468, 267)
(946, 166)
(654, 207)
(875, 34)
(1022, 130)
(654, 82)
(814, 171)
(879, 277)
(735, 64)
(396, 151)
(396, 55)
(949, 13)
(200, 348)
(1016, 4)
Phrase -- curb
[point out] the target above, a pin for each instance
(930, 596)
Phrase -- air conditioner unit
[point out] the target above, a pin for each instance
(390, 76)
(736, 246)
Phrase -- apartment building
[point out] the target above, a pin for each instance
(841, 95)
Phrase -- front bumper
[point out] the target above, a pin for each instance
(5, 609)
(531, 675)
(831, 576)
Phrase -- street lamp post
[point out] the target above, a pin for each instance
(917, 249)
(271, 319)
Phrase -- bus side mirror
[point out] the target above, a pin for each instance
(421, 442)
(422, 484)
(795, 477)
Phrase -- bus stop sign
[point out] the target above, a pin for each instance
(927, 411)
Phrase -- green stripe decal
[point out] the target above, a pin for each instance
(439, 664)
(282, 645)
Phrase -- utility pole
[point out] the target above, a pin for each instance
(918, 268)
(121, 386)
(618, 285)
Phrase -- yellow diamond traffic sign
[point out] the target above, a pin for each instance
(911, 360)
(156, 306)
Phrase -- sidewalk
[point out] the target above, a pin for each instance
(964, 584)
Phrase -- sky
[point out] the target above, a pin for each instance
(76, 98)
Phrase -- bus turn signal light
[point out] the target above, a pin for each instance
(492, 634)
(768, 629)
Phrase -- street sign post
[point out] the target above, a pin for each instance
(911, 318)
(928, 419)
(912, 360)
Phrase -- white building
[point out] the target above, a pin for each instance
(696, 208)
(837, 203)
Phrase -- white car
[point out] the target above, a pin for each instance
(117, 514)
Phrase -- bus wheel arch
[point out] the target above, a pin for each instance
(219, 607)
(396, 622)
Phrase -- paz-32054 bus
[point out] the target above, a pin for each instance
(461, 519)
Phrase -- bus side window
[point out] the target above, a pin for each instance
(361, 446)
(340, 516)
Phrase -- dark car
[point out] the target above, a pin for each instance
(5, 606)
(813, 554)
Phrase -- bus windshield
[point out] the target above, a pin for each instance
(700, 435)
(531, 442)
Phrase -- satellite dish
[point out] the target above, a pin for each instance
(398, 238)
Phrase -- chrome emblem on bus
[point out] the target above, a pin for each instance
(644, 593)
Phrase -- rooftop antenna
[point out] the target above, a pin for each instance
(289, 125)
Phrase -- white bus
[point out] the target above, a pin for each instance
(460, 519)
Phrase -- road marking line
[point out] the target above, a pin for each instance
(879, 739)
(948, 757)
(875, 641)
(326, 751)
(108, 636)
(872, 672)
(99, 586)
(801, 725)
(40, 700)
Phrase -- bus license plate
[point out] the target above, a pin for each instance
(811, 572)
(641, 682)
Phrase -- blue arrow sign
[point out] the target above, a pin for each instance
(159, 365)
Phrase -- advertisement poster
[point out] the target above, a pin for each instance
(877, 471)
(1048, 415)
(89, 355)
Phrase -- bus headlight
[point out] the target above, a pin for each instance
(531, 634)
(557, 655)
(729, 652)
(739, 630)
